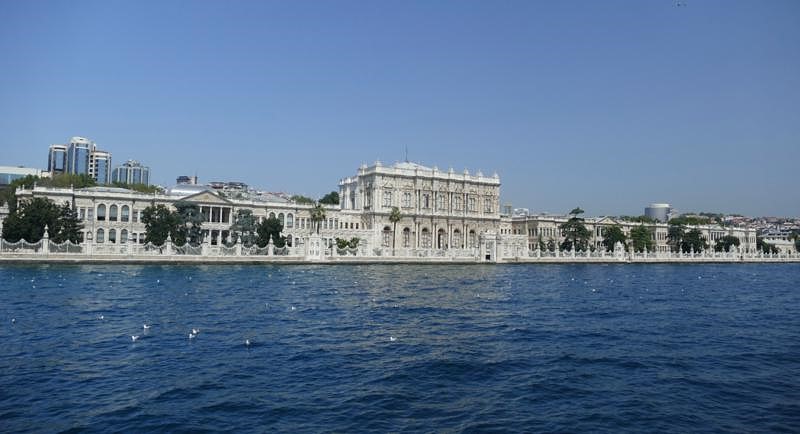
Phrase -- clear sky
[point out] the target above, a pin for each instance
(609, 105)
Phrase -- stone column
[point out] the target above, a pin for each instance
(168, 245)
(270, 246)
(45, 241)
(238, 246)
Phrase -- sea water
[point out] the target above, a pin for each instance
(350, 348)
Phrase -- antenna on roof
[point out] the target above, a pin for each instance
(406, 153)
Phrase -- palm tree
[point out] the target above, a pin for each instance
(394, 217)
(317, 215)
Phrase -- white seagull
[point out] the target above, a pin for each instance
(247, 342)
(195, 331)
(134, 338)
(146, 327)
(192, 335)
(100, 317)
(392, 338)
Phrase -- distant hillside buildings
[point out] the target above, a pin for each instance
(132, 172)
(82, 157)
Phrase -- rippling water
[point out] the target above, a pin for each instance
(600, 348)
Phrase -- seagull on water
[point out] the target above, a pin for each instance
(195, 331)
(134, 338)
(101, 317)
(13, 320)
(392, 338)
(293, 308)
(146, 327)
(192, 335)
(247, 342)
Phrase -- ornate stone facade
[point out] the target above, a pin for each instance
(439, 209)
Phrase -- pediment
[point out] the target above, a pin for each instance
(207, 197)
(607, 220)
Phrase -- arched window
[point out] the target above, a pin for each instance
(112, 215)
(441, 239)
(101, 212)
(387, 236)
(125, 213)
(112, 236)
(289, 221)
(406, 237)
(425, 238)
(458, 242)
(272, 215)
(123, 236)
(101, 236)
(283, 222)
(289, 239)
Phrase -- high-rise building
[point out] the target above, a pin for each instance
(189, 180)
(57, 159)
(132, 172)
(659, 211)
(100, 166)
(83, 158)
(78, 150)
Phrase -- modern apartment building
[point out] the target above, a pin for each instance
(82, 157)
(132, 172)
(57, 159)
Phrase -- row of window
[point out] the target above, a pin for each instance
(426, 201)
(425, 238)
(111, 213)
(100, 237)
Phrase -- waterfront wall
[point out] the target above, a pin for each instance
(315, 251)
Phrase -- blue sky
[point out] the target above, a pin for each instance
(609, 105)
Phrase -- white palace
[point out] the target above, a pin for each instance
(443, 213)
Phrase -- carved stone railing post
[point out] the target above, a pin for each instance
(45, 242)
(168, 245)
(238, 246)
(270, 246)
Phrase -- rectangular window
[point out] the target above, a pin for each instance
(426, 201)
(406, 199)
(487, 205)
(440, 202)
(387, 198)
(472, 203)
(457, 202)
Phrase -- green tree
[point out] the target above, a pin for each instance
(317, 215)
(244, 227)
(693, 240)
(68, 226)
(159, 222)
(612, 235)
(575, 233)
(394, 217)
(642, 239)
(271, 227)
(765, 246)
(724, 244)
(638, 219)
(302, 199)
(141, 188)
(331, 198)
(686, 220)
(189, 222)
(64, 180)
(8, 193)
(29, 219)
(675, 235)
